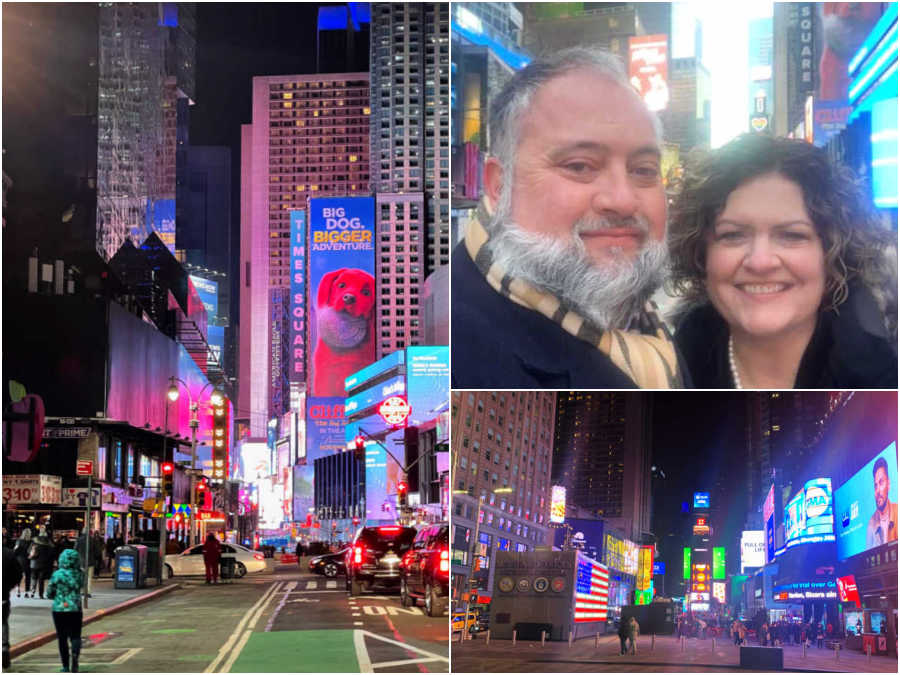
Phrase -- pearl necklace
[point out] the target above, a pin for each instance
(731, 362)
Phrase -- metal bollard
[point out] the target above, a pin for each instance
(837, 653)
(652, 641)
(804, 649)
(597, 641)
(868, 653)
(543, 637)
(514, 638)
(487, 637)
(570, 639)
(682, 643)
(714, 643)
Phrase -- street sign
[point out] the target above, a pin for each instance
(67, 432)
(394, 410)
(84, 467)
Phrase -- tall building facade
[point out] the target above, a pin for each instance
(146, 65)
(309, 137)
(409, 66)
(502, 445)
(601, 455)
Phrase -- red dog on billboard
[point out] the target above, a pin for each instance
(345, 323)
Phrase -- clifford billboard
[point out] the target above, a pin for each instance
(342, 290)
(866, 506)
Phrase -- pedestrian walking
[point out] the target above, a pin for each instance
(97, 552)
(21, 550)
(623, 636)
(12, 575)
(742, 633)
(212, 554)
(65, 591)
(40, 557)
(634, 629)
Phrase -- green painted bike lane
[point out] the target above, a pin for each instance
(298, 651)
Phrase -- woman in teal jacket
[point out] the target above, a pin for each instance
(65, 591)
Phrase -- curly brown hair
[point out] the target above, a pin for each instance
(855, 241)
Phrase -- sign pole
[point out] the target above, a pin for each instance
(87, 540)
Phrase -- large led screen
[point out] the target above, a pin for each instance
(341, 290)
(809, 515)
(866, 506)
(428, 382)
(583, 535)
(701, 500)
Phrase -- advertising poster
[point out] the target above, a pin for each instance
(341, 290)
(829, 117)
(160, 217)
(584, 535)
(215, 337)
(297, 305)
(701, 500)
(645, 568)
(614, 553)
(304, 495)
(208, 291)
(372, 397)
(324, 427)
(718, 562)
(648, 69)
(866, 506)
(809, 515)
(753, 549)
(769, 523)
(428, 382)
(845, 26)
(557, 504)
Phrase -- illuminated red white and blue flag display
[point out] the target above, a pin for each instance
(591, 591)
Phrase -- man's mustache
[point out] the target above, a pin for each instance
(597, 223)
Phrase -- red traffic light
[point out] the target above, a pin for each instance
(359, 442)
(168, 467)
(402, 487)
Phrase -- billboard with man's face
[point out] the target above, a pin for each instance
(866, 506)
(342, 290)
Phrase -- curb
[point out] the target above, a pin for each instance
(42, 639)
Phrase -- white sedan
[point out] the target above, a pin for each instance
(190, 561)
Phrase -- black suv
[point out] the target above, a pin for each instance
(425, 570)
(374, 557)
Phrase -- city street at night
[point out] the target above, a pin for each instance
(281, 622)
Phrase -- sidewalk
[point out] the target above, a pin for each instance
(501, 656)
(31, 618)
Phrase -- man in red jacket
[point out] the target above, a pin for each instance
(212, 553)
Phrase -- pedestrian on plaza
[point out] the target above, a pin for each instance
(40, 556)
(634, 629)
(110, 550)
(820, 636)
(20, 551)
(829, 630)
(212, 554)
(735, 634)
(97, 552)
(623, 636)
(12, 575)
(65, 591)
(742, 633)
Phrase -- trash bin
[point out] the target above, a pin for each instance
(131, 566)
(226, 568)
(153, 562)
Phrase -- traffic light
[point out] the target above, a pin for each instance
(201, 489)
(359, 447)
(402, 490)
(220, 436)
(168, 471)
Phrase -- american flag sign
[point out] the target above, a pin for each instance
(591, 591)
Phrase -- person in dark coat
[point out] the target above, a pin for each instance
(212, 555)
(543, 297)
(21, 551)
(41, 558)
(800, 294)
(12, 575)
(623, 636)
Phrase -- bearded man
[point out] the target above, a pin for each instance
(551, 287)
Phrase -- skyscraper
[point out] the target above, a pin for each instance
(410, 159)
(601, 454)
(309, 137)
(502, 443)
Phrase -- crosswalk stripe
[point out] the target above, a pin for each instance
(311, 584)
(331, 584)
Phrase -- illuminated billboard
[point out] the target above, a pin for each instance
(866, 506)
(324, 427)
(753, 549)
(557, 504)
(208, 291)
(297, 304)
(718, 562)
(645, 568)
(701, 500)
(718, 591)
(584, 535)
(427, 381)
(809, 515)
(161, 219)
(342, 290)
(701, 526)
(648, 69)
(769, 523)
(687, 563)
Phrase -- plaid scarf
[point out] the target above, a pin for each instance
(646, 355)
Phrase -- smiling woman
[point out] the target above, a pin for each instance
(787, 274)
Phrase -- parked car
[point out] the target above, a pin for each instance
(374, 557)
(425, 570)
(457, 623)
(330, 564)
(190, 561)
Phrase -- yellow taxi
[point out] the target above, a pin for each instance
(457, 621)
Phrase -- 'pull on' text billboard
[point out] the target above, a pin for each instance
(342, 290)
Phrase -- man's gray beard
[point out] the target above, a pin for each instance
(607, 296)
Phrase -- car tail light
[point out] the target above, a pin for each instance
(357, 554)
(445, 561)
(259, 556)
(389, 528)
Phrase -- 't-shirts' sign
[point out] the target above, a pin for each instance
(32, 489)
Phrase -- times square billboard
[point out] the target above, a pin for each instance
(866, 506)
(341, 291)
(809, 515)
(297, 303)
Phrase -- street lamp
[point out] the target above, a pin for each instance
(503, 490)
(216, 398)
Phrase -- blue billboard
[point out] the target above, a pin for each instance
(659, 568)
(382, 472)
(208, 291)
(389, 362)
(427, 382)
(866, 506)
(583, 535)
(342, 290)
(161, 216)
(297, 304)
(367, 398)
(809, 515)
(215, 337)
(701, 500)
